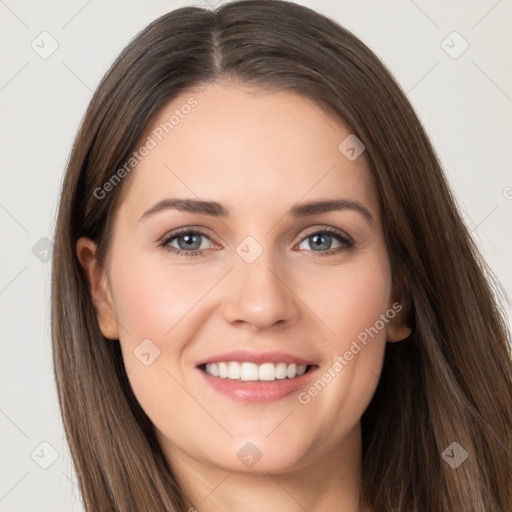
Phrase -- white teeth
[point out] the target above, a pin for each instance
(292, 370)
(212, 369)
(248, 371)
(281, 370)
(301, 369)
(223, 369)
(267, 371)
(251, 371)
(234, 371)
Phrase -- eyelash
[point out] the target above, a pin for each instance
(347, 242)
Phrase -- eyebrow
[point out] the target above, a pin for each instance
(216, 209)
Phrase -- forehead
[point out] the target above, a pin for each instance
(247, 148)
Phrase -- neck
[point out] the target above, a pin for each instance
(332, 481)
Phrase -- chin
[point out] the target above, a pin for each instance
(262, 456)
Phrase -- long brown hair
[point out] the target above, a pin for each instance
(450, 381)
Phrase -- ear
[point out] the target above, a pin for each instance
(397, 328)
(99, 287)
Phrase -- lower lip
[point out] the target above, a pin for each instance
(257, 391)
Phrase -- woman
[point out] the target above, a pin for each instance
(264, 296)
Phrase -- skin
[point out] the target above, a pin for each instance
(258, 154)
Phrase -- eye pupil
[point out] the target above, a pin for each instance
(191, 239)
(320, 245)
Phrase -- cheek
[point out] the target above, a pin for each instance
(151, 298)
(351, 306)
(351, 300)
(151, 302)
(157, 301)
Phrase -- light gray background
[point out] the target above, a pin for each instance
(465, 104)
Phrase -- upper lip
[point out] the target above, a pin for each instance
(255, 357)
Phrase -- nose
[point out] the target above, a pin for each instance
(259, 295)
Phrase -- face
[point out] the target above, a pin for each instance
(293, 303)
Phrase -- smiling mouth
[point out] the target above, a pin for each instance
(247, 371)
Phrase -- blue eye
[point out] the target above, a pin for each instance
(323, 240)
(189, 242)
